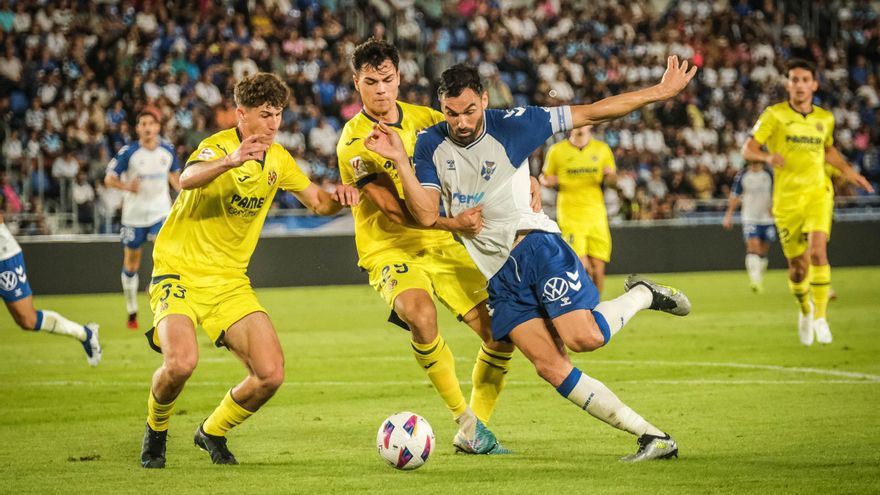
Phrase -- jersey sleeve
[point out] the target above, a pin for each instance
(829, 137)
(119, 163)
(423, 158)
(207, 151)
(357, 165)
(522, 130)
(292, 177)
(736, 189)
(175, 163)
(764, 127)
(550, 167)
(608, 158)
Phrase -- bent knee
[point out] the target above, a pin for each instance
(553, 373)
(179, 369)
(587, 340)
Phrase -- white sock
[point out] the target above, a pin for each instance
(467, 423)
(130, 289)
(617, 312)
(753, 267)
(763, 267)
(52, 322)
(594, 397)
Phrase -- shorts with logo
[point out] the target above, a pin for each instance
(13, 279)
(765, 233)
(593, 240)
(445, 271)
(215, 307)
(793, 225)
(542, 278)
(134, 237)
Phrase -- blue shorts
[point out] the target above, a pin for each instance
(765, 233)
(13, 279)
(542, 278)
(134, 237)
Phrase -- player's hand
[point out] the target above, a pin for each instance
(252, 147)
(728, 222)
(535, 191)
(346, 195)
(387, 143)
(134, 185)
(860, 180)
(470, 221)
(676, 77)
(776, 160)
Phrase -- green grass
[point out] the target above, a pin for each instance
(752, 409)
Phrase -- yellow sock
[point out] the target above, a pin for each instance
(801, 291)
(158, 414)
(228, 415)
(437, 361)
(820, 282)
(488, 376)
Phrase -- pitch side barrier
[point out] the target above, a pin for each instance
(91, 264)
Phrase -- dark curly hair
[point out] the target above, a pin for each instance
(261, 88)
(458, 78)
(372, 53)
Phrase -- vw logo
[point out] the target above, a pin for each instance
(8, 280)
(555, 288)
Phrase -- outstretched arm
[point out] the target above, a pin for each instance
(324, 203)
(837, 160)
(676, 77)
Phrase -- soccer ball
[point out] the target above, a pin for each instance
(405, 440)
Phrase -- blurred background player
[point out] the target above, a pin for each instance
(580, 167)
(143, 170)
(409, 264)
(753, 189)
(16, 292)
(799, 137)
(200, 266)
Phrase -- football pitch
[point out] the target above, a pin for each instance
(751, 408)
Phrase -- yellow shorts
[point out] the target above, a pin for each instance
(215, 308)
(794, 225)
(445, 271)
(593, 241)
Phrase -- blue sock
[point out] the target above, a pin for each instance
(568, 384)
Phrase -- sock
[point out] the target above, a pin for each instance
(820, 283)
(130, 289)
(52, 322)
(617, 312)
(753, 268)
(594, 397)
(228, 415)
(158, 414)
(437, 361)
(801, 291)
(488, 376)
(764, 262)
(467, 423)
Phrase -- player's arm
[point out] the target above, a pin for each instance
(837, 160)
(323, 203)
(174, 180)
(732, 204)
(113, 180)
(752, 152)
(674, 80)
(383, 194)
(198, 174)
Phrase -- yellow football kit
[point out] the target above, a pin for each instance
(801, 199)
(398, 257)
(202, 252)
(580, 205)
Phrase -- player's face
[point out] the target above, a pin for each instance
(378, 87)
(464, 114)
(264, 120)
(800, 86)
(147, 129)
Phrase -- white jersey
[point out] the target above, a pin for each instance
(491, 171)
(152, 202)
(8, 246)
(755, 189)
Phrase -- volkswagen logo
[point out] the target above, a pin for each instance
(555, 288)
(8, 281)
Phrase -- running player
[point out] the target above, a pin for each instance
(799, 137)
(753, 188)
(143, 170)
(200, 262)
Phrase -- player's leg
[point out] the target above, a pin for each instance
(820, 283)
(491, 366)
(132, 240)
(597, 272)
(542, 346)
(796, 250)
(29, 318)
(598, 249)
(753, 263)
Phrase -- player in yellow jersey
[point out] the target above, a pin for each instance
(200, 259)
(409, 264)
(799, 140)
(579, 168)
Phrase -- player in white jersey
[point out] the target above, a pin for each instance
(753, 188)
(16, 292)
(539, 292)
(144, 171)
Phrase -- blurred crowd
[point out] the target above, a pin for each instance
(74, 73)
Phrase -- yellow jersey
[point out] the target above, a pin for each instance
(212, 230)
(801, 139)
(376, 235)
(581, 171)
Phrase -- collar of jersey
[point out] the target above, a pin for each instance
(261, 162)
(804, 115)
(474, 143)
(397, 124)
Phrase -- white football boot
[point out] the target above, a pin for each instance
(823, 333)
(805, 326)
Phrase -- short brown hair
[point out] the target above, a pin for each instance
(261, 88)
(373, 53)
(799, 63)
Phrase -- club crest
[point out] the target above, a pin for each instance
(487, 170)
(272, 177)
